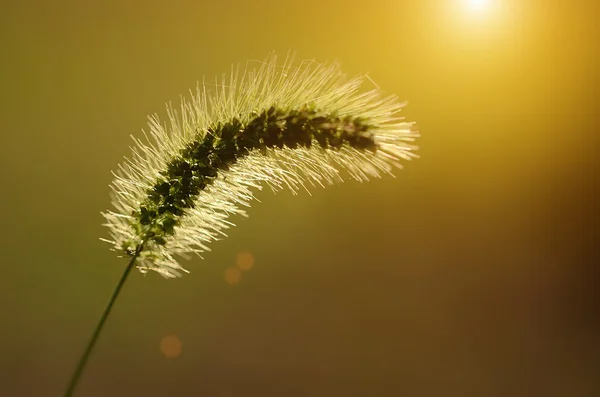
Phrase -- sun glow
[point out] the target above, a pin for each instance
(478, 5)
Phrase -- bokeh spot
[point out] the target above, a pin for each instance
(170, 346)
(233, 275)
(244, 260)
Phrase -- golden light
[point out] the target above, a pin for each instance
(481, 19)
(478, 5)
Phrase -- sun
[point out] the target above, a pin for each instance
(478, 5)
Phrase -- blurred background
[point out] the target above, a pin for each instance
(473, 273)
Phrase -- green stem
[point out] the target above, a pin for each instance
(84, 358)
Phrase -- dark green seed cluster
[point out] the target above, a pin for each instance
(200, 161)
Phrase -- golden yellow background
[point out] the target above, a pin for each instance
(473, 273)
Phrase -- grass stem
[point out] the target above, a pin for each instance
(84, 358)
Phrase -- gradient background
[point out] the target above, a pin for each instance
(473, 273)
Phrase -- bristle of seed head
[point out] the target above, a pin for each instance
(292, 126)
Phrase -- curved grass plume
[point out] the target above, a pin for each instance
(286, 125)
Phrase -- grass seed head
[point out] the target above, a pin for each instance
(289, 125)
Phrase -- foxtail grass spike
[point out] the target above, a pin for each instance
(289, 125)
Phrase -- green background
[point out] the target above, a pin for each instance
(470, 274)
